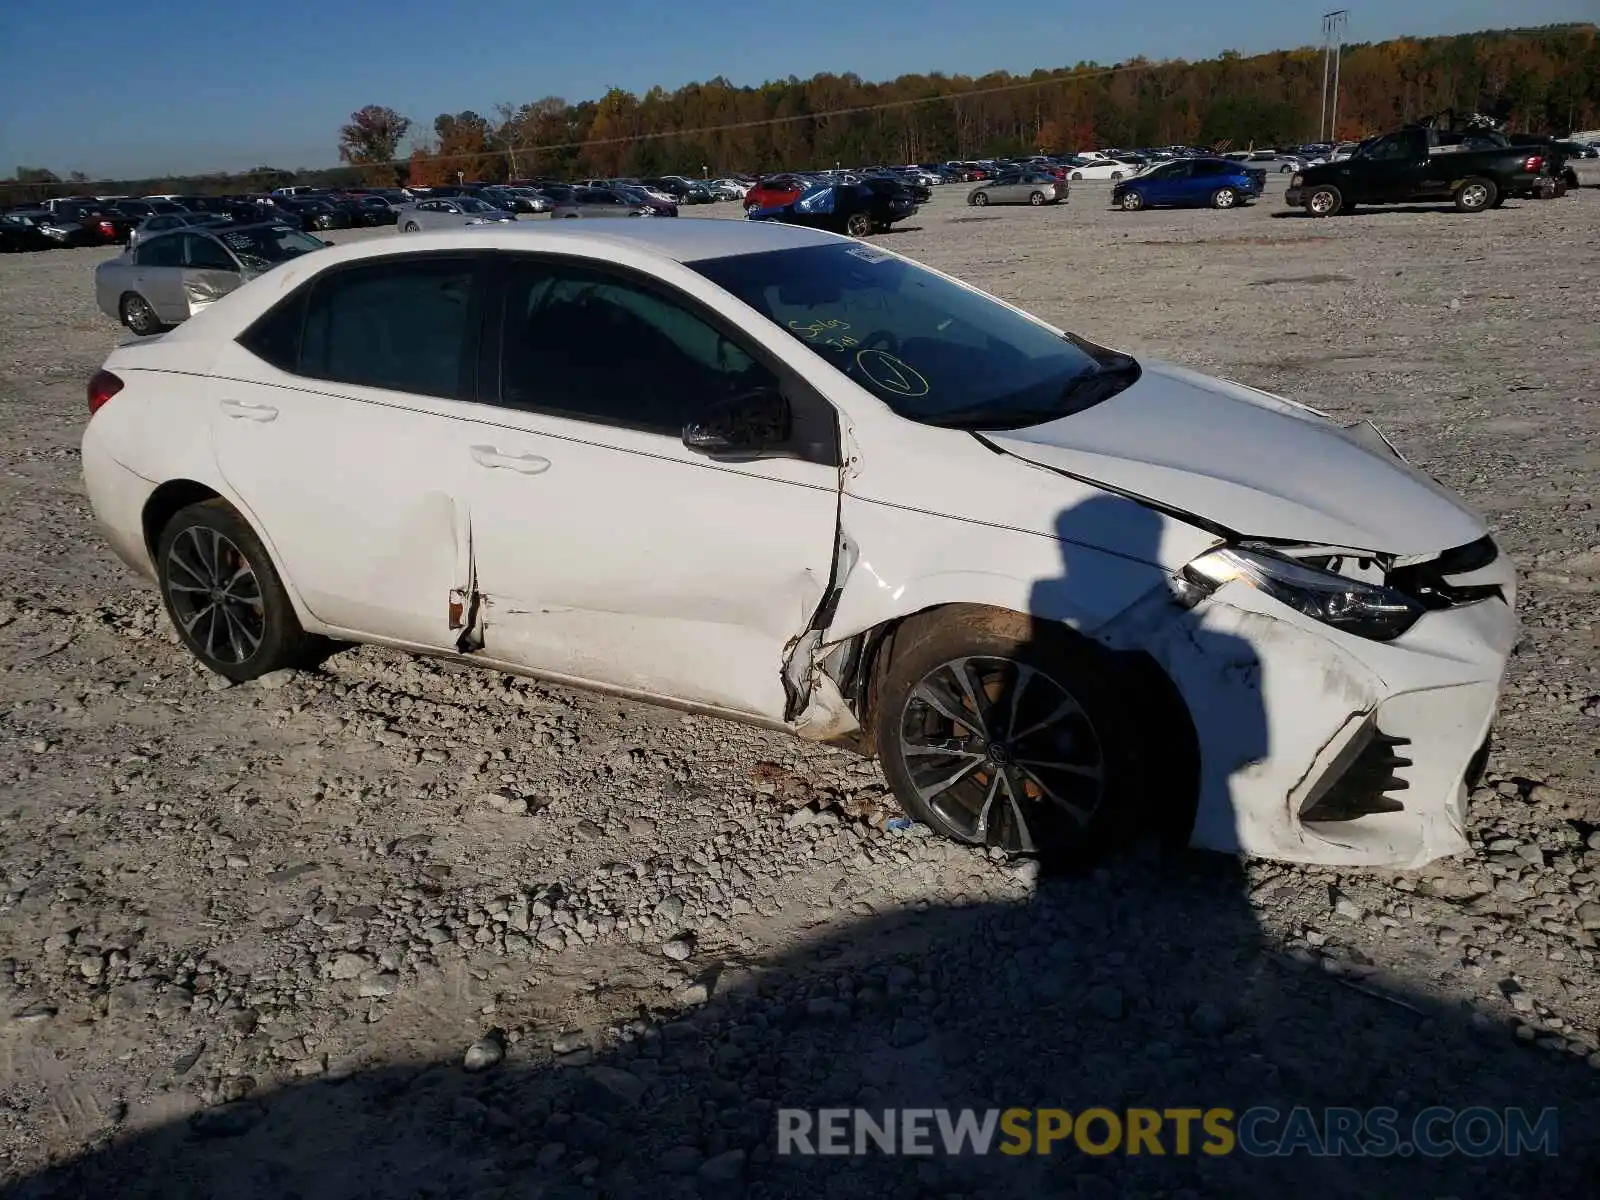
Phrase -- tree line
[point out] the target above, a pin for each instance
(1544, 80)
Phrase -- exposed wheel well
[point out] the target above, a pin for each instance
(1173, 775)
(165, 502)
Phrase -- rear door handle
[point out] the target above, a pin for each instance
(243, 410)
(522, 464)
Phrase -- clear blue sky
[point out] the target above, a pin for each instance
(112, 88)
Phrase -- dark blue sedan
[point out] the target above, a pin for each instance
(1190, 183)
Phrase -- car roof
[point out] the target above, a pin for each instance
(685, 240)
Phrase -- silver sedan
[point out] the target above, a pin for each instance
(1019, 187)
(448, 212)
(602, 202)
(162, 222)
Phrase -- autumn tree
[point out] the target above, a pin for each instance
(371, 140)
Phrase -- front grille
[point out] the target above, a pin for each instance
(1429, 584)
(1359, 780)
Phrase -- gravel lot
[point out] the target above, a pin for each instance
(248, 934)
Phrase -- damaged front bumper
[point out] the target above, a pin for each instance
(1322, 747)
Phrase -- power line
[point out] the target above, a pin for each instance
(762, 122)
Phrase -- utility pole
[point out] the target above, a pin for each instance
(1333, 24)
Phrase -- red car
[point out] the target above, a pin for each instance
(774, 192)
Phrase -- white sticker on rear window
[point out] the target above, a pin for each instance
(868, 254)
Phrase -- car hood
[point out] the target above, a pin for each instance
(1253, 463)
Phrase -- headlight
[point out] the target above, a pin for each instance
(1367, 610)
(1296, 180)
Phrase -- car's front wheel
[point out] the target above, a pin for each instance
(410, 227)
(223, 594)
(1132, 201)
(1323, 201)
(996, 729)
(979, 199)
(139, 316)
(858, 225)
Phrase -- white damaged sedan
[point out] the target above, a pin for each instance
(780, 476)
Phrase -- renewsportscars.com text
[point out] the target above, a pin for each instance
(1260, 1132)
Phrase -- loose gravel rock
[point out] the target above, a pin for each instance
(246, 932)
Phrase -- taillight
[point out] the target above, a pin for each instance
(102, 386)
(1534, 164)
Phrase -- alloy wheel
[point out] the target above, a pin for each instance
(1003, 754)
(138, 316)
(1321, 203)
(1474, 195)
(215, 595)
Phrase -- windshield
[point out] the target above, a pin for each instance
(263, 246)
(930, 349)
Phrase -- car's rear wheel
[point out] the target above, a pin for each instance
(1132, 201)
(996, 729)
(858, 225)
(1475, 195)
(1116, 175)
(1077, 175)
(978, 198)
(223, 594)
(1224, 198)
(139, 316)
(1036, 198)
(1324, 201)
(410, 227)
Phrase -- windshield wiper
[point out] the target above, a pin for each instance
(1081, 392)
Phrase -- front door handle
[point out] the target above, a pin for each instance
(522, 464)
(243, 410)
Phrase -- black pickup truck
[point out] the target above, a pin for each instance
(1474, 169)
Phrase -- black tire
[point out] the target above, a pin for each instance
(138, 316)
(1324, 200)
(1475, 195)
(1116, 175)
(1076, 175)
(1036, 198)
(978, 199)
(1132, 201)
(410, 227)
(1225, 197)
(858, 225)
(223, 594)
(1053, 665)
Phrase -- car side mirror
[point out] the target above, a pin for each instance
(746, 426)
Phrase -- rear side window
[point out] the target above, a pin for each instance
(164, 251)
(406, 325)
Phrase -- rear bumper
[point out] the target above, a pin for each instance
(118, 497)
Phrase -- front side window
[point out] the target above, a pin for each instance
(203, 254)
(932, 350)
(598, 347)
(402, 324)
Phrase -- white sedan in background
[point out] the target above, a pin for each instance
(1100, 168)
(772, 474)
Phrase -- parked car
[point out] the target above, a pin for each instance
(852, 208)
(17, 234)
(1099, 168)
(449, 212)
(314, 213)
(1413, 164)
(608, 202)
(58, 231)
(103, 222)
(663, 206)
(775, 191)
(170, 276)
(1191, 183)
(1019, 187)
(138, 210)
(730, 189)
(164, 222)
(1061, 592)
(1583, 164)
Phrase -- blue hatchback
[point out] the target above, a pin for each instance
(1190, 183)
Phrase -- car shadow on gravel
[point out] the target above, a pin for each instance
(1143, 986)
(1145, 983)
